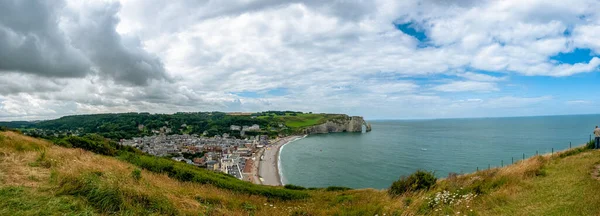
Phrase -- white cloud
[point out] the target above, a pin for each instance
(584, 36)
(514, 102)
(463, 86)
(578, 102)
(481, 77)
(394, 87)
(328, 55)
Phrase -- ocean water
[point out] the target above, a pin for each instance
(399, 147)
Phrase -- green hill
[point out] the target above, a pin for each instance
(301, 120)
(128, 125)
(41, 178)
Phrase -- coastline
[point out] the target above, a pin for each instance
(279, 173)
(269, 167)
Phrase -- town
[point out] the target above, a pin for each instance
(224, 153)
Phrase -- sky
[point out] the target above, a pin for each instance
(381, 59)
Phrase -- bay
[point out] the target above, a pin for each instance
(399, 147)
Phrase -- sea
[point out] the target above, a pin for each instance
(395, 148)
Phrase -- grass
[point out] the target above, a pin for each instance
(304, 119)
(565, 189)
(38, 178)
(111, 195)
(18, 200)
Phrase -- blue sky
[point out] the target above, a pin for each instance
(381, 59)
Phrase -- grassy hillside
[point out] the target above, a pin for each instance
(37, 177)
(127, 125)
(301, 120)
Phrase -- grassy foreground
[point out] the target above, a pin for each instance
(39, 178)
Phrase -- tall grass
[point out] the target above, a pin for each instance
(18, 142)
(587, 146)
(111, 197)
(18, 200)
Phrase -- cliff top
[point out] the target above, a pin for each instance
(128, 125)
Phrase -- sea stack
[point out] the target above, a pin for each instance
(342, 124)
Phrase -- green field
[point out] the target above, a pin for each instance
(302, 120)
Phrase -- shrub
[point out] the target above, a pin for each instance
(300, 213)
(590, 145)
(337, 188)
(136, 174)
(93, 143)
(248, 207)
(209, 201)
(41, 161)
(4, 128)
(294, 187)
(420, 180)
(343, 198)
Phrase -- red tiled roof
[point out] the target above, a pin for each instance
(248, 167)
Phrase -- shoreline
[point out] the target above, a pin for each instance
(269, 167)
(278, 162)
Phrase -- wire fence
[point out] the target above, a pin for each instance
(512, 159)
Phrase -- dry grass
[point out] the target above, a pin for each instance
(532, 185)
(188, 198)
(18, 142)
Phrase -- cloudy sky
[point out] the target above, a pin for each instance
(383, 59)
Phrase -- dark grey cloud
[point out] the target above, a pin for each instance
(30, 41)
(44, 38)
(173, 16)
(120, 58)
(14, 83)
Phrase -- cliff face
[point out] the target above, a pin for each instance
(342, 124)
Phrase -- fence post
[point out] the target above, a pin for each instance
(524, 155)
(552, 151)
(569, 145)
